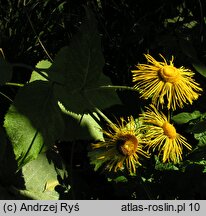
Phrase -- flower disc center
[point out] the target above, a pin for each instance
(169, 130)
(127, 144)
(169, 73)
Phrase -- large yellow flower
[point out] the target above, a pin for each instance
(161, 81)
(121, 148)
(161, 135)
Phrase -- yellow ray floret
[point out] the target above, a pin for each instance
(161, 81)
(121, 149)
(161, 136)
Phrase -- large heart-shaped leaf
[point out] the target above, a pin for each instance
(33, 121)
(82, 127)
(40, 179)
(78, 69)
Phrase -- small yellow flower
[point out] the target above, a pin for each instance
(121, 148)
(161, 81)
(161, 135)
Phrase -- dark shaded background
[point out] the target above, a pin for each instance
(129, 28)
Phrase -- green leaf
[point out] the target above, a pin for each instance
(86, 99)
(33, 121)
(40, 179)
(198, 154)
(100, 96)
(199, 67)
(5, 71)
(164, 166)
(79, 70)
(189, 50)
(81, 126)
(44, 64)
(202, 163)
(201, 137)
(81, 62)
(199, 127)
(27, 142)
(120, 179)
(185, 117)
(72, 101)
(94, 156)
(197, 163)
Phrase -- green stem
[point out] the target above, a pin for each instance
(14, 84)
(8, 98)
(109, 87)
(118, 87)
(71, 163)
(97, 120)
(98, 111)
(103, 115)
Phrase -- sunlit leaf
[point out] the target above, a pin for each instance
(185, 117)
(191, 24)
(164, 166)
(81, 126)
(27, 142)
(33, 121)
(40, 179)
(51, 184)
(44, 64)
(120, 179)
(201, 137)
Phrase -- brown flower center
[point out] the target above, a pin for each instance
(169, 130)
(127, 144)
(169, 73)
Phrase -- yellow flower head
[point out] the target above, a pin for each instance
(121, 148)
(160, 80)
(161, 135)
